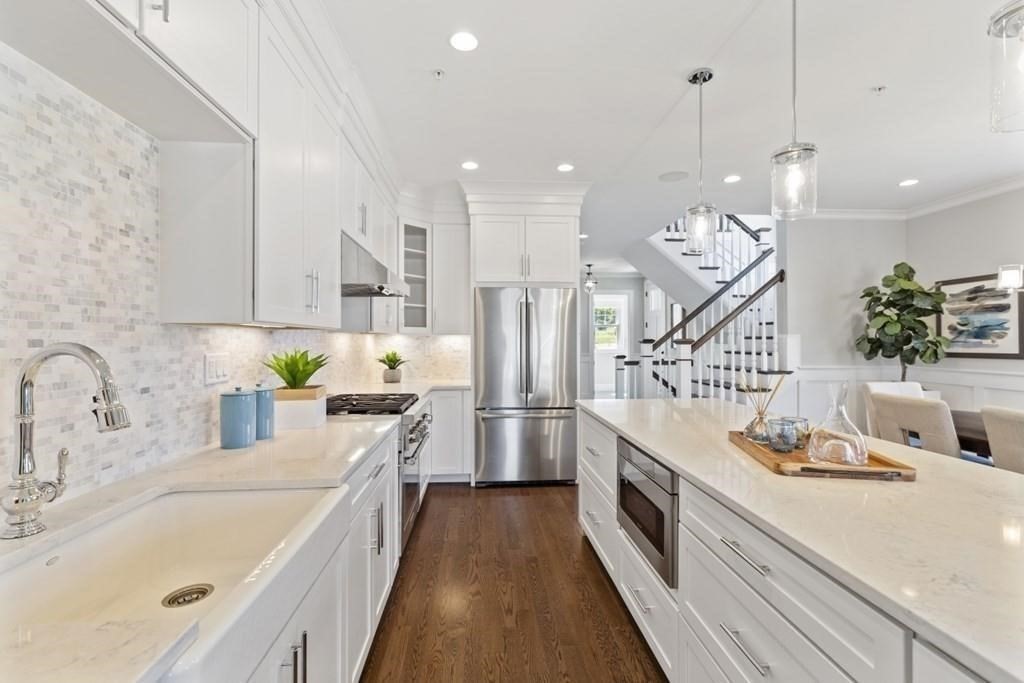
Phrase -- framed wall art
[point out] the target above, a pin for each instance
(981, 320)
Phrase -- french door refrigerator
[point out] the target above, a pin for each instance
(525, 364)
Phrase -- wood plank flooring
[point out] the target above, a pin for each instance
(498, 584)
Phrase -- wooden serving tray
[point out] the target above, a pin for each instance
(796, 464)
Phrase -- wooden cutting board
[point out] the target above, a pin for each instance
(796, 464)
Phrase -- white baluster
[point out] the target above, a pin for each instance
(620, 376)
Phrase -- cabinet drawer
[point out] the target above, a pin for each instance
(597, 517)
(862, 641)
(650, 604)
(695, 663)
(598, 453)
(931, 666)
(371, 471)
(748, 639)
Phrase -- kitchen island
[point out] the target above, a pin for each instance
(941, 557)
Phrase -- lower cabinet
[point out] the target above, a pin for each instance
(651, 604)
(446, 435)
(309, 647)
(695, 664)
(930, 666)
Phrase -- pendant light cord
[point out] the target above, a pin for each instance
(700, 142)
(794, 70)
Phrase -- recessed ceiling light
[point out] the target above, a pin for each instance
(673, 176)
(731, 179)
(565, 168)
(470, 165)
(463, 41)
(584, 235)
(909, 182)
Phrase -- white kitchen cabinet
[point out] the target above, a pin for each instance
(450, 280)
(322, 239)
(930, 666)
(416, 257)
(695, 665)
(297, 244)
(384, 233)
(283, 285)
(498, 248)
(125, 10)
(448, 457)
(359, 563)
(384, 315)
(213, 43)
(309, 647)
(352, 210)
(381, 561)
(534, 249)
(552, 249)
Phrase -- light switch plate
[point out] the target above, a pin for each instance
(215, 368)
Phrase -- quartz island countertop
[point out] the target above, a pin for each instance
(943, 555)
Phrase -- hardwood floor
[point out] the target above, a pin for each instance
(498, 584)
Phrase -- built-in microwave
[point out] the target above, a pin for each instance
(648, 509)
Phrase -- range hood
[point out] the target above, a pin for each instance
(364, 276)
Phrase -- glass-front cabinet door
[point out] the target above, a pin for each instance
(417, 308)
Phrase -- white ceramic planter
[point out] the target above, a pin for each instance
(300, 408)
(392, 376)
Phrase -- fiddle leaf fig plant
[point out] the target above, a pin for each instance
(392, 360)
(296, 368)
(896, 320)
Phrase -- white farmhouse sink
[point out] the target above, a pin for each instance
(122, 570)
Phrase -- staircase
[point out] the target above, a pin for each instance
(727, 346)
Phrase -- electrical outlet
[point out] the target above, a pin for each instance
(215, 368)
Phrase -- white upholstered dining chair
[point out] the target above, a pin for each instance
(872, 389)
(929, 419)
(1005, 430)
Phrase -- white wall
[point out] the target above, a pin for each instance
(828, 263)
(634, 285)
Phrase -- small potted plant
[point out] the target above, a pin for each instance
(299, 405)
(393, 363)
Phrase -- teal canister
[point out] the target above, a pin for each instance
(237, 419)
(264, 412)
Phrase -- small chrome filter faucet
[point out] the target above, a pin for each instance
(26, 494)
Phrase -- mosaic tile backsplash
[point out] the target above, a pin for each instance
(79, 229)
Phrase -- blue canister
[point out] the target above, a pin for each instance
(237, 419)
(264, 412)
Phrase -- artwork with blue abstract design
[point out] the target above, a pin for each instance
(981, 320)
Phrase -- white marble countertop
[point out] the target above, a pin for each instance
(145, 650)
(943, 555)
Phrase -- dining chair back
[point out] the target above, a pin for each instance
(1005, 430)
(872, 389)
(929, 419)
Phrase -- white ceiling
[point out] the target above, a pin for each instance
(601, 84)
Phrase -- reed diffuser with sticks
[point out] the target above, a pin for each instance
(759, 397)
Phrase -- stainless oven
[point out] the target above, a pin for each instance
(415, 436)
(648, 509)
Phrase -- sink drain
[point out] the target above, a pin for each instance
(189, 595)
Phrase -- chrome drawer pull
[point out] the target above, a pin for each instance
(639, 601)
(593, 518)
(594, 452)
(734, 546)
(734, 636)
(376, 471)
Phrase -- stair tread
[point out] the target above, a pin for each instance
(757, 336)
(709, 267)
(719, 384)
(747, 353)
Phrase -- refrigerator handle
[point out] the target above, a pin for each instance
(529, 347)
(521, 343)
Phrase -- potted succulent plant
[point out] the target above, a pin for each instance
(393, 363)
(299, 405)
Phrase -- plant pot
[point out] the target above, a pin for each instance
(392, 376)
(304, 408)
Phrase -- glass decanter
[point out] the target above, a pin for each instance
(837, 439)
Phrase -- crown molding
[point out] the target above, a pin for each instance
(978, 193)
(527, 198)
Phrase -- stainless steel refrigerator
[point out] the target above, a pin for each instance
(524, 362)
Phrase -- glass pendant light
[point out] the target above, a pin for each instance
(589, 283)
(1007, 46)
(701, 218)
(795, 168)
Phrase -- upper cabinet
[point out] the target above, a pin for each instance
(525, 232)
(450, 279)
(529, 249)
(417, 256)
(214, 44)
(297, 245)
(125, 10)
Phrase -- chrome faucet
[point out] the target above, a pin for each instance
(26, 494)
